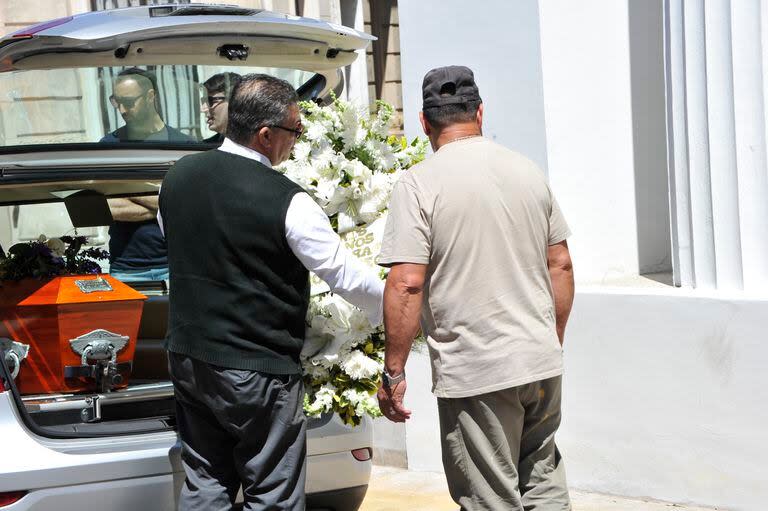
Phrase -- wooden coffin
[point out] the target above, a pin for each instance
(56, 317)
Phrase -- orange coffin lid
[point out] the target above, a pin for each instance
(63, 290)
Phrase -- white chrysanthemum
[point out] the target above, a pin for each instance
(323, 401)
(316, 130)
(363, 402)
(382, 153)
(301, 173)
(324, 159)
(301, 150)
(325, 394)
(359, 366)
(379, 190)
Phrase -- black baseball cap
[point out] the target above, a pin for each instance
(449, 85)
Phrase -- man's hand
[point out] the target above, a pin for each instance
(391, 402)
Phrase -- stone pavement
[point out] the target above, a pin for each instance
(395, 489)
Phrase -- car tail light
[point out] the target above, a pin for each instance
(34, 29)
(9, 497)
(2, 386)
(363, 454)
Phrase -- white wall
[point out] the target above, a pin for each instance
(664, 396)
(588, 105)
(556, 82)
(499, 41)
(665, 393)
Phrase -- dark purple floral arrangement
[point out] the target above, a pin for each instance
(46, 258)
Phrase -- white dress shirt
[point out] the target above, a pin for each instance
(319, 248)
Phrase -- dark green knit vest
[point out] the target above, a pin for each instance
(238, 294)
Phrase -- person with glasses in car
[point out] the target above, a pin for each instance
(242, 239)
(136, 245)
(215, 104)
(135, 97)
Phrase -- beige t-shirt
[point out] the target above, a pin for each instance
(481, 217)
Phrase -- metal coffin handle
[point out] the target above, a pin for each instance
(98, 357)
(99, 345)
(15, 353)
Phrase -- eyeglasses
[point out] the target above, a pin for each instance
(212, 101)
(126, 102)
(296, 132)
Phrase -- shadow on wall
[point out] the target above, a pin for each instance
(646, 39)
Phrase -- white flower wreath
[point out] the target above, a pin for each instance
(348, 163)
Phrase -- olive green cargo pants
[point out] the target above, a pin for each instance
(499, 449)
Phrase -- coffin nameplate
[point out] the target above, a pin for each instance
(93, 285)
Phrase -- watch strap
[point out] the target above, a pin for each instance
(390, 380)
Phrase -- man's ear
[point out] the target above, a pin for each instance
(479, 117)
(424, 124)
(264, 137)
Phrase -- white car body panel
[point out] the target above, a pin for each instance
(129, 471)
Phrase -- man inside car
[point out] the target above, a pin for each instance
(135, 96)
(215, 104)
(136, 245)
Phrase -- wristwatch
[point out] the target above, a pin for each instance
(390, 381)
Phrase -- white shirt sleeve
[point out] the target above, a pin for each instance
(319, 248)
(159, 217)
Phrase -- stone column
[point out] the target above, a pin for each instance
(716, 64)
(722, 143)
(750, 64)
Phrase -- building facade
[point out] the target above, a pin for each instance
(649, 118)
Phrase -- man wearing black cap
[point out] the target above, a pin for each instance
(474, 234)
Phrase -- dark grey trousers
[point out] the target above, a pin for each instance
(239, 428)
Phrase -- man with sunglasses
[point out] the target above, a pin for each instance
(241, 239)
(215, 103)
(136, 245)
(135, 97)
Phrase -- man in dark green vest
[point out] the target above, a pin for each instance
(241, 239)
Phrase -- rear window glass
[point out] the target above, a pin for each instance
(116, 105)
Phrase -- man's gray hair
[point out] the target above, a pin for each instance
(258, 100)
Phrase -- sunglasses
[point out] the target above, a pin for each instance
(296, 132)
(212, 101)
(126, 102)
